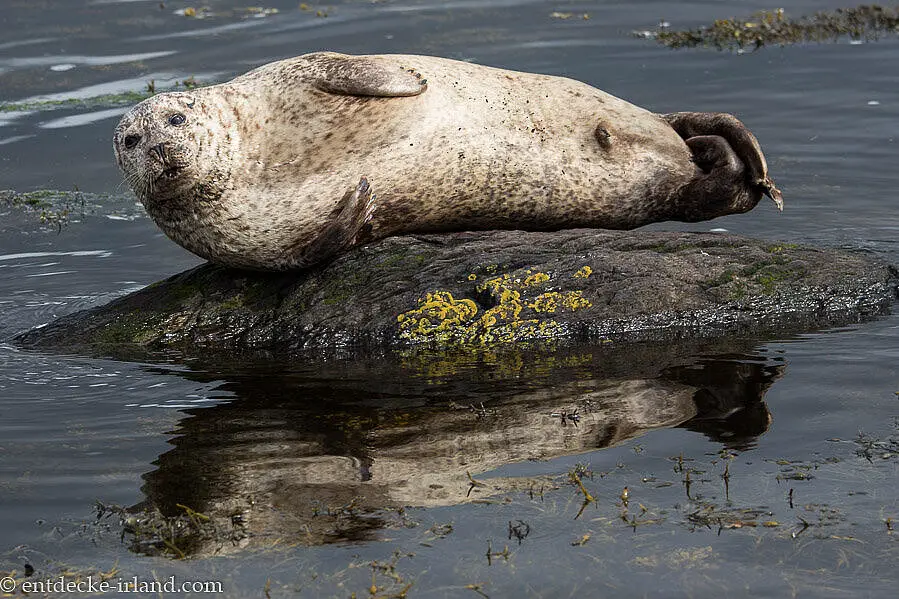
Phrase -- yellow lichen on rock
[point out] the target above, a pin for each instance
(507, 310)
(439, 316)
(441, 319)
(494, 285)
(553, 301)
(583, 273)
(499, 284)
(536, 279)
(519, 330)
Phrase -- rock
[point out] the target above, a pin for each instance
(491, 288)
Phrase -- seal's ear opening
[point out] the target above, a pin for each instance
(603, 137)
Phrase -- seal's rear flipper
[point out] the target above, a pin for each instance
(353, 214)
(695, 125)
(364, 76)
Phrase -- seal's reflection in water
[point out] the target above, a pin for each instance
(334, 458)
(729, 398)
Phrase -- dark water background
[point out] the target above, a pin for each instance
(279, 443)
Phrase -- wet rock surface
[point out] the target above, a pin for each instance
(492, 288)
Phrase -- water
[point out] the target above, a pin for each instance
(317, 462)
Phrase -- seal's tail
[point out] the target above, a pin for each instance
(738, 136)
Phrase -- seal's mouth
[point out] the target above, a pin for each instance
(167, 163)
(170, 173)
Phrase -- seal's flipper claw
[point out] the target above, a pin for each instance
(353, 214)
(770, 190)
(370, 213)
(365, 213)
(363, 76)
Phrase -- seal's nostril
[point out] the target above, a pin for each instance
(131, 141)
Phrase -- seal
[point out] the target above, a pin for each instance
(275, 169)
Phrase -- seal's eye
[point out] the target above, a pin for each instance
(177, 119)
(131, 141)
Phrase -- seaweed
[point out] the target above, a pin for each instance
(774, 27)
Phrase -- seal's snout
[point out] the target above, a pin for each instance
(166, 159)
(159, 153)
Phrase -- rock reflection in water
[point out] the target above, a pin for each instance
(317, 460)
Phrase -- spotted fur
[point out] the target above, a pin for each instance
(263, 166)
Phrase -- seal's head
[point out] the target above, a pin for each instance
(176, 151)
(170, 147)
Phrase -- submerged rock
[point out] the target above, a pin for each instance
(490, 288)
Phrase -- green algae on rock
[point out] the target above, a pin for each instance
(125, 98)
(767, 28)
(54, 209)
(488, 289)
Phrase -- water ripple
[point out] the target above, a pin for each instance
(79, 253)
(78, 120)
(94, 61)
(203, 32)
(17, 43)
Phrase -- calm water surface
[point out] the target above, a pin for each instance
(314, 470)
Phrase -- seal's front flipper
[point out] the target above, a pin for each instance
(364, 76)
(693, 125)
(351, 216)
